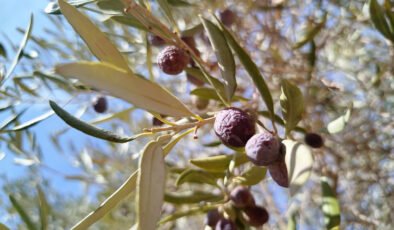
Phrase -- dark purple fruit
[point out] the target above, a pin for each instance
(263, 149)
(227, 17)
(234, 127)
(278, 172)
(156, 40)
(314, 140)
(212, 218)
(241, 197)
(157, 122)
(224, 224)
(100, 105)
(255, 216)
(172, 60)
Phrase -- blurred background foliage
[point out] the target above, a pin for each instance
(337, 52)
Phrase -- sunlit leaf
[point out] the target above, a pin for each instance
(209, 93)
(53, 7)
(111, 6)
(136, 90)
(190, 212)
(8, 121)
(167, 148)
(198, 176)
(128, 21)
(30, 123)
(2, 156)
(252, 176)
(191, 197)
(224, 56)
(379, 20)
(22, 213)
(280, 121)
(44, 208)
(19, 53)
(251, 68)
(167, 11)
(96, 40)
(292, 103)
(150, 186)
(339, 124)
(87, 128)
(179, 3)
(330, 206)
(219, 163)
(26, 161)
(200, 76)
(299, 162)
(193, 30)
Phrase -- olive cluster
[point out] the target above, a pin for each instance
(236, 128)
(246, 212)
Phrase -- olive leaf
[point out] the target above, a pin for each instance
(192, 197)
(292, 103)
(87, 128)
(190, 212)
(311, 33)
(252, 176)
(21, 48)
(53, 7)
(299, 162)
(339, 124)
(96, 40)
(120, 83)
(330, 206)
(164, 5)
(128, 21)
(381, 20)
(150, 186)
(219, 163)
(250, 67)
(224, 56)
(198, 176)
(209, 93)
(22, 213)
(29, 123)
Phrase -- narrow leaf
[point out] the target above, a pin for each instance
(53, 7)
(198, 176)
(251, 68)
(378, 18)
(219, 163)
(299, 162)
(190, 212)
(192, 197)
(174, 141)
(209, 93)
(3, 227)
(19, 53)
(87, 128)
(44, 208)
(252, 176)
(339, 124)
(292, 103)
(96, 40)
(179, 3)
(224, 56)
(167, 12)
(22, 213)
(150, 186)
(330, 206)
(129, 21)
(280, 121)
(110, 203)
(30, 123)
(136, 90)
(311, 33)
(3, 51)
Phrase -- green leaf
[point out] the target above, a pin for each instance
(53, 7)
(190, 32)
(209, 93)
(190, 212)
(96, 40)
(150, 186)
(299, 162)
(311, 33)
(292, 224)
(11, 119)
(179, 3)
(377, 15)
(219, 163)
(224, 56)
(339, 124)
(330, 206)
(44, 208)
(30, 123)
(19, 53)
(110, 203)
(167, 12)
(89, 129)
(3, 51)
(251, 68)
(129, 21)
(252, 176)
(3, 227)
(22, 213)
(198, 176)
(175, 140)
(136, 90)
(111, 6)
(292, 103)
(200, 75)
(191, 197)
